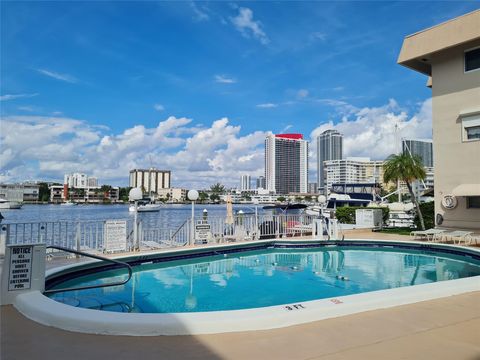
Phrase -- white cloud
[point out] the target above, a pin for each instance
(200, 15)
(159, 107)
(197, 155)
(370, 132)
(27, 108)
(318, 36)
(267, 105)
(224, 79)
(247, 26)
(58, 76)
(7, 97)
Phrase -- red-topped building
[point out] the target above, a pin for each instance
(286, 163)
(290, 136)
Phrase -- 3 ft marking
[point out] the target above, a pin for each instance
(336, 301)
(294, 307)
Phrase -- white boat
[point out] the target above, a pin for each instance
(401, 215)
(145, 207)
(68, 203)
(6, 204)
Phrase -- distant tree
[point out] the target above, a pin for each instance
(105, 188)
(308, 198)
(406, 168)
(217, 189)
(215, 197)
(123, 193)
(43, 192)
(203, 196)
(246, 197)
(281, 199)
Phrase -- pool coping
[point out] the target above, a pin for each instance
(37, 307)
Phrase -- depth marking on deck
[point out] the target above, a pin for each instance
(336, 301)
(294, 307)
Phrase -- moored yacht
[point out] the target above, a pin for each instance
(6, 204)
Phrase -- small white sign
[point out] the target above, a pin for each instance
(115, 235)
(202, 230)
(20, 268)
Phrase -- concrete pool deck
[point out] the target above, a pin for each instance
(447, 328)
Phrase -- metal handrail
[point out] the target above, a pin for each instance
(177, 231)
(118, 283)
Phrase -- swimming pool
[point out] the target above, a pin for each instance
(255, 285)
(263, 278)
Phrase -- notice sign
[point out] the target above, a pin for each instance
(202, 231)
(115, 235)
(20, 268)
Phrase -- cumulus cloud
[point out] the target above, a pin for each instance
(267, 105)
(370, 132)
(58, 76)
(197, 155)
(7, 97)
(244, 23)
(224, 79)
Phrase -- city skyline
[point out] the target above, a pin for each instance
(105, 99)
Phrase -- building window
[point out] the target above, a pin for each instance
(472, 59)
(473, 202)
(471, 128)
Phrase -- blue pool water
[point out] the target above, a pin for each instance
(264, 278)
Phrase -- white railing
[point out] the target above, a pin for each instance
(89, 235)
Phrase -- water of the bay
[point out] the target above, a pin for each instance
(169, 216)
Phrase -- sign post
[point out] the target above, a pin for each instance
(203, 231)
(22, 270)
(115, 235)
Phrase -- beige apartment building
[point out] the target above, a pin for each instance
(449, 54)
(353, 170)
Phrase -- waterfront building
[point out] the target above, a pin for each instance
(80, 181)
(176, 195)
(353, 170)
(286, 163)
(151, 181)
(421, 148)
(57, 193)
(245, 183)
(449, 55)
(329, 147)
(61, 193)
(19, 192)
(92, 182)
(312, 188)
(261, 182)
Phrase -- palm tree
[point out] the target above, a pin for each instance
(407, 168)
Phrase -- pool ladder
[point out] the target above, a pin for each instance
(102, 258)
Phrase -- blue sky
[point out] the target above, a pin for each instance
(191, 85)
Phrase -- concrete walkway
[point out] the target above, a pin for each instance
(446, 328)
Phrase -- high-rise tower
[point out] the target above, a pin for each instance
(329, 147)
(286, 163)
